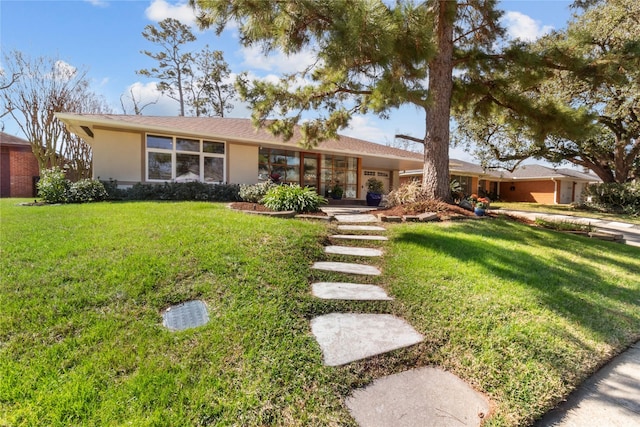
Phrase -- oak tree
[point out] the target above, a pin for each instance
(576, 100)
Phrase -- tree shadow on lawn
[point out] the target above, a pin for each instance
(565, 281)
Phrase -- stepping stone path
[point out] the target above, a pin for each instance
(420, 397)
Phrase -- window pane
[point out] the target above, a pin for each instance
(159, 166)
(263, 172)
(293, 159)
(350, 192)
(352, 177)
(213, 169)
(164, 142)
(327, 162)
(293, 174)
(327, 175)
(339, 176)
(183, 144)
(213, 147)
(187, 167)
(352, 163)
(340, 162)
(278, 157)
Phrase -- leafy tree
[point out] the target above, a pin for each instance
(579, 102)
(41, 87)
(211, 93)
(174, 66)
(372, 57)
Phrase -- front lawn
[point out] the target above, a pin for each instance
(565, 210)
(520, 313)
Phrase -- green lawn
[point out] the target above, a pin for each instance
(565, 210)
(520, 313)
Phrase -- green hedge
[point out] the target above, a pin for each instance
(175, 191)
(614, 197)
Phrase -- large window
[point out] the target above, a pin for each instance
(465, 183)
(184, 159)
(279, 165)
(342, 171)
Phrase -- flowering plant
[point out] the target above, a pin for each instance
(482, 203)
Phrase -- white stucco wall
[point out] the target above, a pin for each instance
(242, 164)
(117, 155)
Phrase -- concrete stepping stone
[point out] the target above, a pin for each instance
(356, 218)
(349, 291)
(347, 337)
(358, 237)
(361, 228)
(347, 267)
(187, 315)
(419, 397)
(351, 250)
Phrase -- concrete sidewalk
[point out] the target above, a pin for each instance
(609, 398)
(631, 232)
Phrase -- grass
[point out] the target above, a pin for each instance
(522, 314)
(565, 210)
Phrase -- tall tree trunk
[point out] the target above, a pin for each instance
(435, 176)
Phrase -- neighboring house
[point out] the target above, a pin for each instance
(18, 167)
(541, 184)
(471, 177)
(528, 183)
(145, 149)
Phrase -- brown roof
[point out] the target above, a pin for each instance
(528, 172)
(6, 139)
(230, 128)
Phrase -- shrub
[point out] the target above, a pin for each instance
(564, 225)
(53, 186)
(86, 190)
(183, 191)
(293, 198)
(410, 192)
(254, 193)
(614, 197)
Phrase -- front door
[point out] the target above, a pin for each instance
(310, 172)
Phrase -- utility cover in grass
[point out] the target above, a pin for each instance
(346, 337)
(420, 397)
(190, 314)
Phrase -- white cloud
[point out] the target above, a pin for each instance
(97, 3)
(64, 69)
(362, 127)
(523, 27)
(277, 62)
(159, 10)
(148, 93)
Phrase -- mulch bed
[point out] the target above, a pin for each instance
(450, 212)
(257, 207)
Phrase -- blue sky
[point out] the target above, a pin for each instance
(104, 36)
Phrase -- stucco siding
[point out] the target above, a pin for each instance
(242, 164)
(118, 155)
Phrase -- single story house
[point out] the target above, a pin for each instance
(528, 183)
(471, 177)
(18, 167)
(147, 149)
(541, 184)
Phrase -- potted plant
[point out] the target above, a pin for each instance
(337, 191)
(482, 204)
(374, 192)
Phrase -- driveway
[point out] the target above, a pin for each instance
(631, 232)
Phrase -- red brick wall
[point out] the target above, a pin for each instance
(528, 191)
(23, 167)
